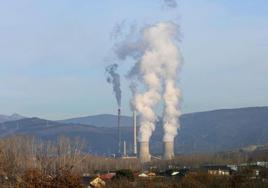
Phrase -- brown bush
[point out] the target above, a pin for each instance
(34, 178)
(66, 179)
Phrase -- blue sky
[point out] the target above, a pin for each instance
(53, 54)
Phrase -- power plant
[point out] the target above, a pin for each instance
(145, 156)
(156, 66)
(144, 148)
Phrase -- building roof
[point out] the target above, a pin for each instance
(175, 173)
(143, 175)
(107, 176)
(97, 182)
(217, 167)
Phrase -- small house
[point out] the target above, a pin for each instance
(93, 182)
(151, 174)
(219, 170)
(97, 182)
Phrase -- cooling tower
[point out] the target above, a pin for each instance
(144, 154)
(134, 133)
(168, 151)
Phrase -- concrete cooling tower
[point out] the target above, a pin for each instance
(144, 154)
(168, 150)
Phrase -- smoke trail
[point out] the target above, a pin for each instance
(114, 79)
(118, 30)
(171, 3)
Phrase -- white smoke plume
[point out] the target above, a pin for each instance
(157, 62)
(172, 94)
(166, 60)
(114, 79)
(171, 111)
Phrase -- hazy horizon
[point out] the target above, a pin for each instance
(128, 115)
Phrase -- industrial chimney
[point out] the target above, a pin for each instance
(144, 154)
(119, 132)
(134, 133)
(168, 150)
(125, 149)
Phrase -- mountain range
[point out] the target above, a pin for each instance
(13, 117)
(101, 120)
(211, 131)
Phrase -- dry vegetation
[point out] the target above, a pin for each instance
(200, 180)
(28, 162)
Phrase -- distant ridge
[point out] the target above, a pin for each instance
(230, 109)
(110, 120)
(211, 131)
(101, 120)
(13, 117)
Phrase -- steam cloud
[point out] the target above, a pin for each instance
(171, 112)
(114, 79)
(158, 60)
(162, 59)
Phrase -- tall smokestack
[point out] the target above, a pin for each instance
(118, 131)
(134, 133)
(168, 150)
(125, 149)
(144, 154)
